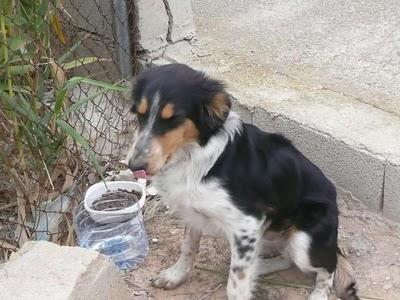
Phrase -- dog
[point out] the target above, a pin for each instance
(222, 176)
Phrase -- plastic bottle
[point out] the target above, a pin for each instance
(126, 243)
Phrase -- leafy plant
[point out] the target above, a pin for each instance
(35, 104)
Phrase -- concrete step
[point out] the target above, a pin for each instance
(355, 143)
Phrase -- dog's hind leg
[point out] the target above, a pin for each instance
(319, 259)
(180, 271)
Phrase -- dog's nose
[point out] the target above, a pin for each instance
(136, 165)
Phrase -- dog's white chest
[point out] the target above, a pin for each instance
(197, 202)
(180, 196)
(201, 204)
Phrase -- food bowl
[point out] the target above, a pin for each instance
(113, 216)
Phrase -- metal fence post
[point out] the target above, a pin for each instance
(122, 37)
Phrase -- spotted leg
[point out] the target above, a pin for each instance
(244, 260)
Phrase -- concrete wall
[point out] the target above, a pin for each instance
(159, 22)
(391, 193)
(335, 158)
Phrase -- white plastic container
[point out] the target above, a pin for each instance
(98, 189)
(119, 234)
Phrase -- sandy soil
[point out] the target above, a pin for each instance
(371, 242)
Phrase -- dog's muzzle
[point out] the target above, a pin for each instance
(138, 159)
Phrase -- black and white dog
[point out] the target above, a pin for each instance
(222, 176)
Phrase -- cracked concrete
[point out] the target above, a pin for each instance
(153, 24)
(162, 22)
(181, 17)
(170, 20)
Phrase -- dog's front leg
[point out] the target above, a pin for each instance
(179, 272)
(244, 258)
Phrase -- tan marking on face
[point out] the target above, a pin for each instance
(219, 106)
(143, 106)
(174, 139)
(165, 146)
(168, 111)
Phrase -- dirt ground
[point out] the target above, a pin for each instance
(371, 242)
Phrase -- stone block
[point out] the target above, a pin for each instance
(44, 270)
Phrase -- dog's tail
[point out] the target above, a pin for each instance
(345, 280)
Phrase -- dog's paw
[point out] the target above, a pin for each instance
(169, 278)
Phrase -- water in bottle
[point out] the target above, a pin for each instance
(126, 243)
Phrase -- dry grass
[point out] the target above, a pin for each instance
(41, 153)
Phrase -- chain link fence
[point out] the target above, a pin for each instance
(64, 119)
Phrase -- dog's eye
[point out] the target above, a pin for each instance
(140, 116)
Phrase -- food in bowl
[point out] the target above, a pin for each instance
(116, 200)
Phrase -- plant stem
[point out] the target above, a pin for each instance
(4, 33)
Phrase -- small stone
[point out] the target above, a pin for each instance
(175, 231)
(154, 241)
(200, 52)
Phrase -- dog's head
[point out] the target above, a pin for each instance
(175, 106)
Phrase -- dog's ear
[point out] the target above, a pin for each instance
(215, 111)
(217, 108)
